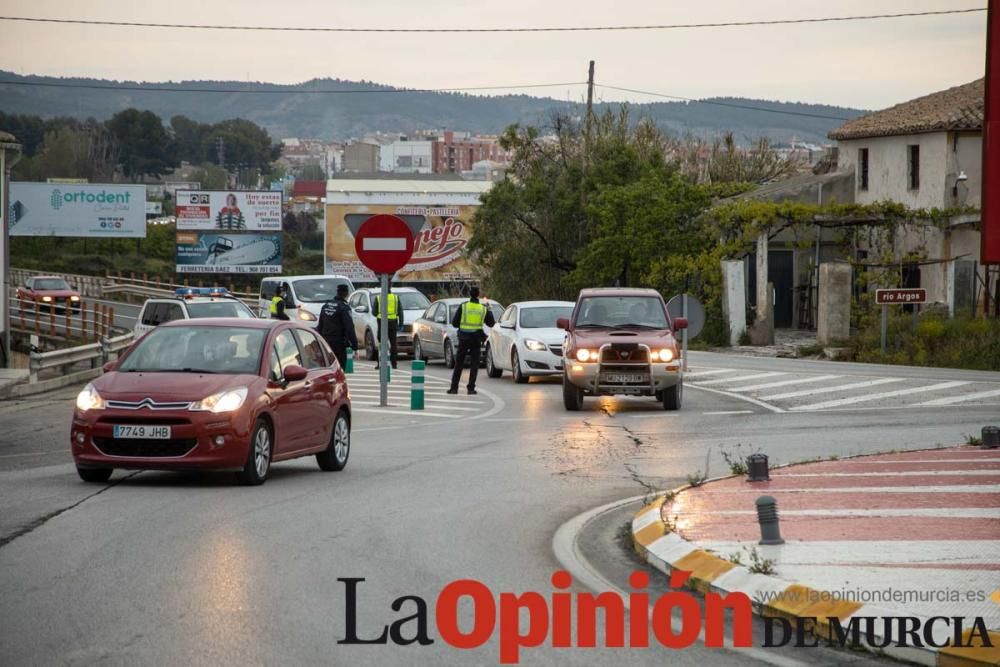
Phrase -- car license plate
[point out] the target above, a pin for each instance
(625, 378)
(142, 431)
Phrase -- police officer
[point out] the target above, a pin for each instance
(469, 320)
(278, 303)
(336, 325)
(395, 314)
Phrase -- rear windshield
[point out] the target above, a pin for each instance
(543, 317)
(219, 309)
(51, 283)
(229, 350)
(622, 311)
(317, 290)
(407, 300)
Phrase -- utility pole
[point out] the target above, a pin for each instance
(590, 91)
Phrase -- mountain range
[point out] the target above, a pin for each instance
(301, 111)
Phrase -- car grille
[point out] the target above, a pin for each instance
(556, 350)
(628, 353)
(141, 448)
(150, 404)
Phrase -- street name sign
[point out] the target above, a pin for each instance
(888, 297)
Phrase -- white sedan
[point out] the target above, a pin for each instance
(526, 340)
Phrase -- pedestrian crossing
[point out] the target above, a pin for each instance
(803, 392)
(364, 387)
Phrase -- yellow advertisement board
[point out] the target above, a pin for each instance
(439, 248)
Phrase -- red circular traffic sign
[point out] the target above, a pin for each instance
(384, 243)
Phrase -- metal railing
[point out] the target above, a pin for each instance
(143, 280)
(92, 320)
(107, 349)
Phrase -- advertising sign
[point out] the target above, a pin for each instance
(231, 210)
(81, 210)
(438, 253)
(222, 252)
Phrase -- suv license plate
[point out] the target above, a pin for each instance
(142, 431)
(617, 378)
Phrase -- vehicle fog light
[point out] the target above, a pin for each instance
(577, 368)
(80, 437)
(220, 440)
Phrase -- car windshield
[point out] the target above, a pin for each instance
(622, 311)
(543, 317)
(180, 349)
(219, 309)
(51, 283)
(317, 290)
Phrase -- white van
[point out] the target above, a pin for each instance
(306, 295)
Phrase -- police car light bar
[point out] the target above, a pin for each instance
(201, 291)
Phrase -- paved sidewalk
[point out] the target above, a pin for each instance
(910, 534)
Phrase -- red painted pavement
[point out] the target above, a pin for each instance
(703, 499)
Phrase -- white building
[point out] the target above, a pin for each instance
(404, 156)
(925, 153)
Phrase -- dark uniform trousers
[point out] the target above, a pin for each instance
(469, 344)
(393, 331)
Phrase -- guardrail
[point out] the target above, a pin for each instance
(91, 321)
(143, 280)
(97, 354)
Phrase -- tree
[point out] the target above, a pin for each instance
(190, 138)
(146, 148)
(87, 151)
(246, 145)
(724, 161)
(312, 172)
(211, 177)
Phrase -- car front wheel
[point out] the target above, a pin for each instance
(572, 396)
(673, 397)
(418, 350)
(515, 368)
(492, 369)
(371, 350)
(335, 456)
(258, 462)
(95, 475)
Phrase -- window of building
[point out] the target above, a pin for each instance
(862, 168)
(913, 166)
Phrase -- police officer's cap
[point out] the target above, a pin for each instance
(342, 289)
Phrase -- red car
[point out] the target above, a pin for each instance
(215, 394)
(49, 291)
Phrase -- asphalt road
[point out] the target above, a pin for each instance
(181, 569)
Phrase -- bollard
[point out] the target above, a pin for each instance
(991, 437)
(349, 366)
(757, 468)
(417, 385)
(767, 516)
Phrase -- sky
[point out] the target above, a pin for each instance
(864, 64)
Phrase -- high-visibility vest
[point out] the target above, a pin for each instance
(473, 316)
(393, 306)
(274, 304)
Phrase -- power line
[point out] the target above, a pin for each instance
(283, 91)
(602, 28)
(724, 104)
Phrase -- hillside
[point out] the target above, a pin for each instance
(288, 111)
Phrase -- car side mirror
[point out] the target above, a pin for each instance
(108, 366)
(563, 323)
(294, 373)
(680, 323)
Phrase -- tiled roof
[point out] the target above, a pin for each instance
(958, 108)
(309, 189)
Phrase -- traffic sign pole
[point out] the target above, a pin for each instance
(885, 324)
(684, 333)
(383, 343)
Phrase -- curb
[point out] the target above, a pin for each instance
(666, 551)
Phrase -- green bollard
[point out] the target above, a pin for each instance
(417, 385)
(349, 366)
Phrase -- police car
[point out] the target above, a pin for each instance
(190, 303)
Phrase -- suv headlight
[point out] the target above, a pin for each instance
(584, 354)
(665, 354)
(306, 316)
(534, 345)
(224, 401)
(89, 399)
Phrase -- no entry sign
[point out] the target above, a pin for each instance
(384, 243)
(885, 297)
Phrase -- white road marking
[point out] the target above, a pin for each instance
(784, 383)
(714, 371)
(951, 400)
(829, 390)
(739, 397)
(729, 412)
(757, 376)
(412, 413)
(885, 394)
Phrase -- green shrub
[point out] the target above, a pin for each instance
(935, 341)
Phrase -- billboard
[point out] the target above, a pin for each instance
(225, 252)
(231, 210)
(438, 254)
(82, 210)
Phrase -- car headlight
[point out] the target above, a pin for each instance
(74, 298)
(665, 354)
(584, 354)
(89, 399)
(534, 345)
(224, 401)
(306, 316)
(47, 299)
